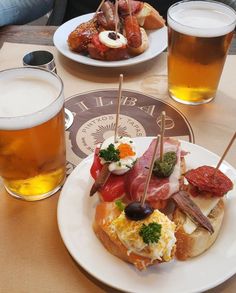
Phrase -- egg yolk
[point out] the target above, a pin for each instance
(125, 150)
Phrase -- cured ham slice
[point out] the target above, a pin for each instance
(160, 189)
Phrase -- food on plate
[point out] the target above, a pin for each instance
(79, 39)
(148, 17)
(132, 31)
(188, 230)
(207, 187)
(130, 185)
(118, 159)
(112, 36)
(141, 243)
(109, 46)
(106, 16)
(143, 47)
(162, 184)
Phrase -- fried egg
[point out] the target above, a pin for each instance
(128, 233)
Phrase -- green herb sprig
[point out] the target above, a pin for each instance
(111, 154)
(150, 233)
(165, 168)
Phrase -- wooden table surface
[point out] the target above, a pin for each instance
(33, 259)
(42, 35)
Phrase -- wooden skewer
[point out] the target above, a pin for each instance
(130, 13)
(129, 6)
(118, 106)
(116, 17)
(99, 7)
(150, 172)
(225, 152)
(163, 118)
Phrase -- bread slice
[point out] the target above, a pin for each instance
(105, 214)
(149, 18)
(191, 245)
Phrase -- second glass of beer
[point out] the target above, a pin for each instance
(32, 133)
(200, 33)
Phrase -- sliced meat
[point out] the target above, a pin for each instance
(159, 189)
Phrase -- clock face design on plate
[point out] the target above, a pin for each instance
(140, 115)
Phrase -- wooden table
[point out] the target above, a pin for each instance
(33, 257)
(42, 35)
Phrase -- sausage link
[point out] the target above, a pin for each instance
(132, 32)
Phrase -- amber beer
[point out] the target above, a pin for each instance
(32, 139)
(200, 33)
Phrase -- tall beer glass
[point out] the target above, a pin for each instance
(32, 139)
(200, 33)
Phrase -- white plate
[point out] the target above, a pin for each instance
(75, 217)
(157, 44)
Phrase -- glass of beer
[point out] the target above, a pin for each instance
(199, 36)
(32, 132)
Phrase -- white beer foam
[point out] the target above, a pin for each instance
(202, 18)
(28, 97)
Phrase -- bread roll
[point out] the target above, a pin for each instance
(144, 45)
(149, 18)
(191, 245)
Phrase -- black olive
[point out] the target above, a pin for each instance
(135, 211)
(113, 36)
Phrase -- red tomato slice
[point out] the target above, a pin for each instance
(96, 42)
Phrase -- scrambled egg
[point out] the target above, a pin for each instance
(128, 233)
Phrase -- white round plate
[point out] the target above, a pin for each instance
(75, 218)
(157, 44)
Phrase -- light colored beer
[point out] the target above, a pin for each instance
(200, 33)
(32, 139)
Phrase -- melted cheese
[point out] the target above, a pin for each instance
(206, 205)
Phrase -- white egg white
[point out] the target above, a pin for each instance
(124, 164)
(119, 42)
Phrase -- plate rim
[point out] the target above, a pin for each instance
(89, 160)
(99, 63)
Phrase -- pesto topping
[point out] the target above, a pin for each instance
(165, 168)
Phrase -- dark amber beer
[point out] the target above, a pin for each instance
(200, 33)
(32, 136)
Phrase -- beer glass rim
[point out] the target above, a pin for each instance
(204, 3)
(34, 68)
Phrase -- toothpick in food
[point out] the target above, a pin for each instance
(150, 171)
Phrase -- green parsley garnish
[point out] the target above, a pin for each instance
(150, 233)
(166, 167)
(120, 205)
(111, 154)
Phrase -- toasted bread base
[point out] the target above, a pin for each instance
(143, 47)
(149, 18)
(191, 245)
(105, 213)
